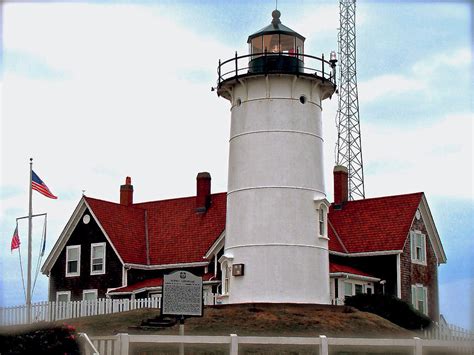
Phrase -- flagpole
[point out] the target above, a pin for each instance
(30, 225)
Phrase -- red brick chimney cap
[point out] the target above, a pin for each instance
(341, 168)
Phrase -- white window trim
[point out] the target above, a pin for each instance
(324, 206)
(101, 272)
(94, 291)
(78, 273)
(413, 235)
(414, 299)
(68, 293)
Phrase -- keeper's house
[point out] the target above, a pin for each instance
(122, 250)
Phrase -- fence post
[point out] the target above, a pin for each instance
(234, 344)
(418, 349)
(323, 347)
(124, 343)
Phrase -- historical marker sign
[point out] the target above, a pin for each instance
(182, 294)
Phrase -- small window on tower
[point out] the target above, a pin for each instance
(322, 221)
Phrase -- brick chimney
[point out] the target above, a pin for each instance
(126, 192)
(203, 191)
(341, 185)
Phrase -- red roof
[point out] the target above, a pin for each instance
(334, 267)
(373, 224)
(148, 283)
(125, 227)
(176, 233)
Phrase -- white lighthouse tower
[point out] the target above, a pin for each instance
(276, 245)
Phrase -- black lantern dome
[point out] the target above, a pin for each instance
(275, 48)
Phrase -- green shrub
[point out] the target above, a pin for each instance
(391, 308)
(51, 341)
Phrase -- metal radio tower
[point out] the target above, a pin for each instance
(349, 148)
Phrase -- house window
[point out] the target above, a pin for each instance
(73, 260)
(63, 296)
(358, 289)
(89, 295)
(97, 258)
(347, 289)
(419, 298)
(418, 247)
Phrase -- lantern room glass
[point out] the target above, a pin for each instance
(275, 43)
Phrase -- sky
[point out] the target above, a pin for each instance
(95, 91)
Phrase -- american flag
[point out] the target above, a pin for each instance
(38, 185)
(15, 239)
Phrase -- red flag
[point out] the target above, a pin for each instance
(15, 239)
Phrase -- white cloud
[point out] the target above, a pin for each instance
(419, 79)
(387, 86)
(435, 157)
(461, 57)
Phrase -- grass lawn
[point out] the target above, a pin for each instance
(246, 319)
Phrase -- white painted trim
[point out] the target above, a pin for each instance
(165, 266)
(276, 245)
(101, 272)
(218, 244)
(78, 272)
(432, 231)
(399, 278)
(275, 187)
(371, 253)
(353, 276)
(277, 131)
(94, 291)
(124, 276)
(68, 293)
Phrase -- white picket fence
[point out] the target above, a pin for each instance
(53, 311)
(121, 344)
(448, 332)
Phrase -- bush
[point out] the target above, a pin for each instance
(57, 340)
(391, 308)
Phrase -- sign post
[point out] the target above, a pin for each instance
(182, 296)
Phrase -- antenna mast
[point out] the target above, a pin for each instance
(349, 147)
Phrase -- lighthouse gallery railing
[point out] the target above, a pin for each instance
(271, 62)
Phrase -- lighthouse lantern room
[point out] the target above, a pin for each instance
(276, 243)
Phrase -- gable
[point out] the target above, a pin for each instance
(425, 224)
(67, 232)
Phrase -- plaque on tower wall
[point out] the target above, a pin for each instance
(182, 294)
